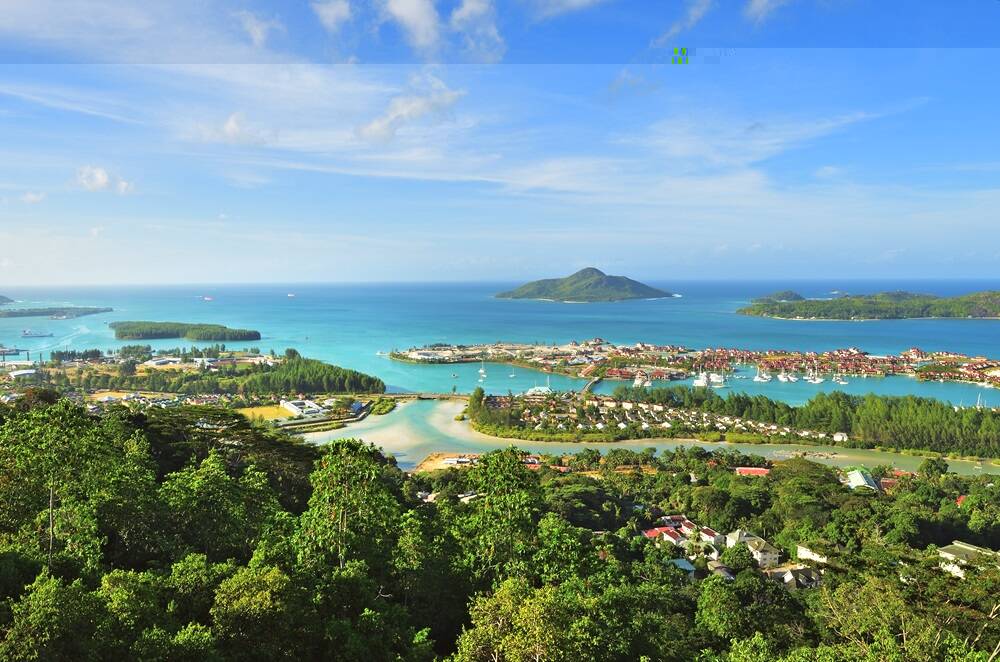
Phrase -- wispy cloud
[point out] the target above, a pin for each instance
(760, 10)
(418, 19)
(257, 28)
(32, 197)
(476, 21)
(696, 10)
(66, 99)
(409, 108)
(551, 8)
(332, 13)
(95, 178)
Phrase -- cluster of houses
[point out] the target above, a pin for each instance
(959, 557)
(694, 541)
(647, 362)
(602, 413)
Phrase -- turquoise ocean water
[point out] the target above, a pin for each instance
(350, 324)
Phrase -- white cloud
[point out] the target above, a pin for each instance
(93, 178)
(332, 13)
(715, 142)
(828, 172)
(408, 108)
(96, 231)
(550, 8)
(67, 99)
(32, 197)
(418, 19)
(476, 20)
(759, 10)
(696, 11)
(258, 29)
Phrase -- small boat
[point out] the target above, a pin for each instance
(839, 379)
(701, 381)
(28, 333)
(512, 375)
(291, 295)
(782, 376)
(207, 299)
(718, 381)
(482, 368)
(454, 375)
(791, 378)
(814, 378)
(761, 376)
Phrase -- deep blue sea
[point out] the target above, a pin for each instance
(349, 324)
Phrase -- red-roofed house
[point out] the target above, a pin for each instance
(752, 471)
(960, 500)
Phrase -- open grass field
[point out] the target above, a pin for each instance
(266, 412)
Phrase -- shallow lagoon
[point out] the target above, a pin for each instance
(418, 428)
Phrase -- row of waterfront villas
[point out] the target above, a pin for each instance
(645, 359)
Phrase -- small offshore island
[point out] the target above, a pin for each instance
(588, 285)
(882, 306)
(132, 330)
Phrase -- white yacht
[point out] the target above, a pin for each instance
(814, 378)
(482, 369)
(839, 379)
(782, 376)
(762, 376)
(701, 381)
(717, 380)
(791, 377)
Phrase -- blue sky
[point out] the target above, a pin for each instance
(342, 140)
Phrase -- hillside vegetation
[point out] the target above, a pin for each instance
(587, 285)
(884, 305)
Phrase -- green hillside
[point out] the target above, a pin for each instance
(587, 285)
(884, 305)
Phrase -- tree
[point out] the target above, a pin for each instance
(499, 530)
(738, 558)
(260, 614)
(352, 512)
(933, 467)
(55, 621)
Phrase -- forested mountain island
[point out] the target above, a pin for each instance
(588, 285)
(884, 305)
(4, 300)
(57, 312)
(151, 330)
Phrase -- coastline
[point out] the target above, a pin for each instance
(417, 428)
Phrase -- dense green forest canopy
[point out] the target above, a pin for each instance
(66, 312)
(588, 285)
(288, 376)
(149, 330)
(885, 305)
(191, 534)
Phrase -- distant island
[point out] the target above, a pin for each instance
(57, 313)
(4, 300)
(780, 297)
(152, 330)
(588, 285)
(884, 305)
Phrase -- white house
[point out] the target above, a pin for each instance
(763, 552)
(803, 553)
(959, 556)
(302, 407)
